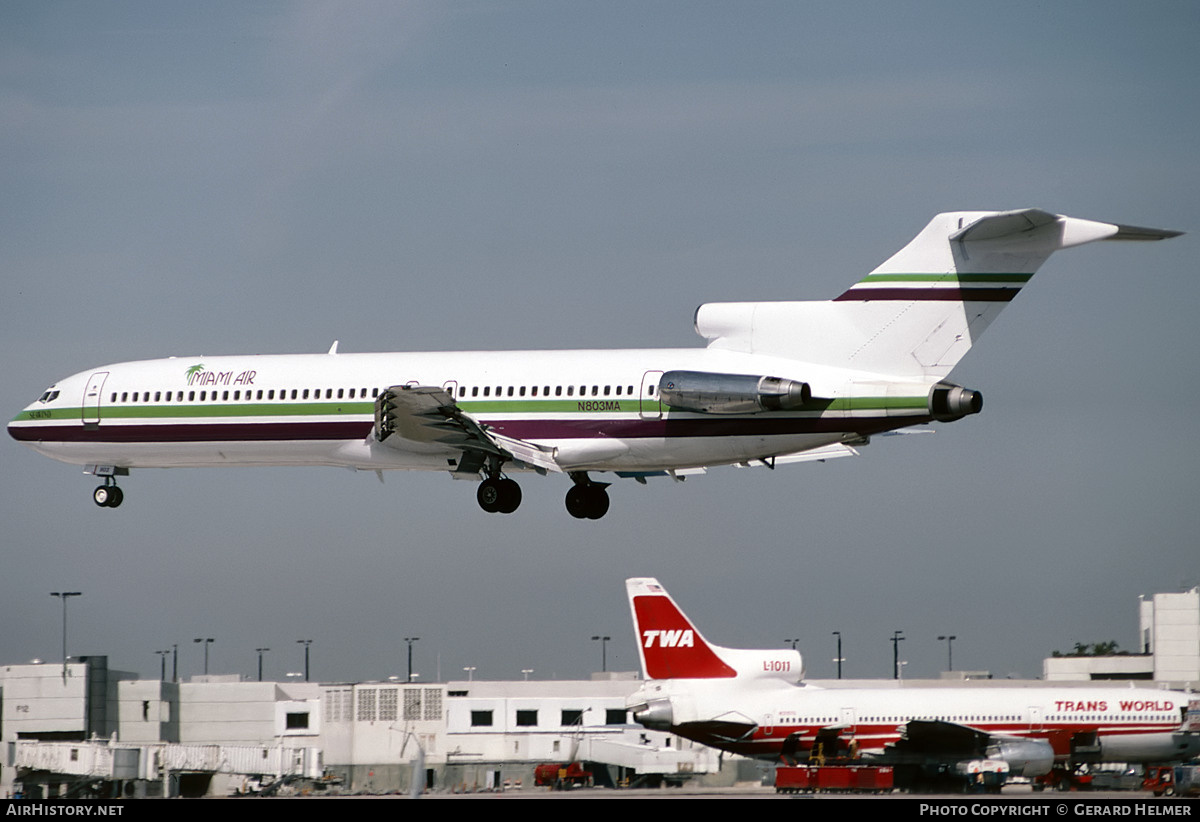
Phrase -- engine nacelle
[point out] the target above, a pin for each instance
(1025, 757)
(657, 715)
(949, 402)
(707, 393)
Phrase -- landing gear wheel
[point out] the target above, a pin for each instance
(107, 496)
(489, 495)
(587, 501)
(510, 496)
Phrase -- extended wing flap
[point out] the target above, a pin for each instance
(429, 415)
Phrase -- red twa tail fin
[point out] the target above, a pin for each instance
(670, 646)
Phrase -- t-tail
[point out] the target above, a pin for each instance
(671, 647)
(915, 316)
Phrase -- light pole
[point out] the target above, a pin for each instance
(897, 638)
(175, 662)
(207, 641)
(839, 660)
(525, 672)
(791, 642)
(64, 596)
(949, 650)
(410, 640)
(470, 669)
(162, 656)
(305, 643)
(603, 651)
(260, 652)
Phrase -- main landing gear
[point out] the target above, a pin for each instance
(501, 495)
(108, 495)
(587, 499)
(498, 495)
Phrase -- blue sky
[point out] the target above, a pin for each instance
(269, 177)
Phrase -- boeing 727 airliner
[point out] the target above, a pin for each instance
(778, 382)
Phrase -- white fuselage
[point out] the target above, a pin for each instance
(599, 409)
(1129, 725)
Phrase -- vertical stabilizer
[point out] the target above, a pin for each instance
(671, 647)
(916, 315)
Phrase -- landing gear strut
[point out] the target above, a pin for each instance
(587, 499)
(108, 495)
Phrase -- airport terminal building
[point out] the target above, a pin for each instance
(85, 727)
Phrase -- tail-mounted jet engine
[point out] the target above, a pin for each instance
(949, 402)
(706, 393)
(657, 714)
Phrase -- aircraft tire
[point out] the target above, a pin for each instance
(577, 501)
(597, 502)
(101, 495)
(115, 497)
(510, 496)
(587, 502)
(489, 495)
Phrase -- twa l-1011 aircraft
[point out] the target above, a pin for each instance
(756, 703)
(778, 382)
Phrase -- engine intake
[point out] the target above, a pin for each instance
(706, 393)
(949, 402)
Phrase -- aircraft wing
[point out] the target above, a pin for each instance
(936, 738)
(923, 740)
(825, 452)
(428, 415)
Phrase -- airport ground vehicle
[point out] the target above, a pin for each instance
(846, 778)
(1173, 780)
(561, 775)
(1160, 779)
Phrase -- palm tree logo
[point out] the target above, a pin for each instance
(193, 371)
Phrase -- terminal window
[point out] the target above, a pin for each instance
(481, 719)
(297, 721)
(526, 719)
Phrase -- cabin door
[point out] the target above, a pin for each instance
(649, 404)
(91, 398)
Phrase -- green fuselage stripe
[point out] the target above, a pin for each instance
(946, 278)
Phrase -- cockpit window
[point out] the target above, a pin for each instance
(49, 396)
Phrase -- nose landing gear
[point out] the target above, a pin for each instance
(108, 495)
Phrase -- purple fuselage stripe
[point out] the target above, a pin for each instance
(958, 295)
(518, 429)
